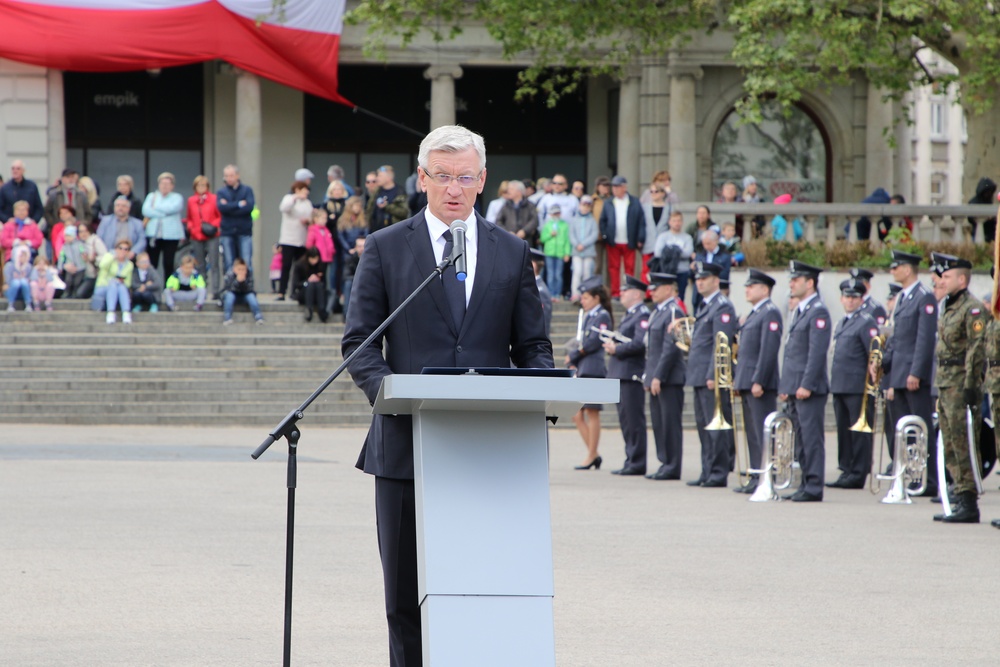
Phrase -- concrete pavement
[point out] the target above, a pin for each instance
(129, 546)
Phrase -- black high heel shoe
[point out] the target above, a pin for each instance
(595, 464)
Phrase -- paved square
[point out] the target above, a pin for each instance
(133, 546)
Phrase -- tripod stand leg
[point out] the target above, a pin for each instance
(293, 443)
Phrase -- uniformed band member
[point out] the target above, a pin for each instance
(909, 366)
(538, 263)
(714, 314)
(626, 362)
(868, 303)
(803, 381)
(960, 355)
(851, 344)
(664, 377)
(588, 360)
(991, 344)
(755, 376)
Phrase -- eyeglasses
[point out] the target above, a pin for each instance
(371, 180)
(657, 191)
(122, 247)
(464, 181)
(558, 182)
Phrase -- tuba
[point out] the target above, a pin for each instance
(723, 381)
(683, 329)
(910, 463)
(778, 472)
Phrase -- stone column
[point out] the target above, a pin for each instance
(683, 153)
(249, 155)
(628, 130)
(442, 78)
(57, 125)
(879, 168)
(654, 124)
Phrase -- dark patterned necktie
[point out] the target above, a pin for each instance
(454, 289)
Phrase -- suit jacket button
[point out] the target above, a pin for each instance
(458, 349)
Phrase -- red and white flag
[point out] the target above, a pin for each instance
(294, 43)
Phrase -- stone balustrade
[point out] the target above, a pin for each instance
(827, 222)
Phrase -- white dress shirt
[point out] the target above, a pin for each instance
(436, 229)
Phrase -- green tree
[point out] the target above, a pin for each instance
(783, 46)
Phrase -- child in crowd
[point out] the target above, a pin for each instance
(44, 281)
(582, 238)
(70, 262)
(238, 287)
(67, 219)
(146, 285)
(186, 284)
(310, 274)
(275, 272)
(319, 236)
(731, 243)
(17, 276)
(779, 225)
(350, 268)
(93, 251)
(114, 279)
(556, 246)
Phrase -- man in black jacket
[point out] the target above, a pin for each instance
(19, 188)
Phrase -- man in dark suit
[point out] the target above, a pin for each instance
(909, 361)
(755, 376)
(625, 363)
(712, 254)
(715, 315)
(664, 377)
(851, 344)
(623, 230)
(804, 385)
(538, 264)
(493, 319)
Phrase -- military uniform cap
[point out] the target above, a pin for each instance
(537, 255)
(634, 283)
(657, 279)
(948, 262)
(894, 289)
(863, 274)
(590, 284)
(758, 277)
(900, 257)
(799, 269)
(706, 269)
(853, 287)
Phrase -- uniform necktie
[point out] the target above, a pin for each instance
(454, 289)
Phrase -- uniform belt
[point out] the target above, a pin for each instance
(993, 363)
(955, 361)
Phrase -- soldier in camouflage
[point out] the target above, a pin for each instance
(991, 343)
(960, 354)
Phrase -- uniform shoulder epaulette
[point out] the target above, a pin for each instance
(644, 309)
(723, 300)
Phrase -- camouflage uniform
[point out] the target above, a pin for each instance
(960, 354)
(991, 343)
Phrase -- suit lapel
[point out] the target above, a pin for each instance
(420, 245)
(486, 252)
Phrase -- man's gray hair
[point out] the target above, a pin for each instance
(451, 139)
(235, 169)
(517, 185)
(336, 171)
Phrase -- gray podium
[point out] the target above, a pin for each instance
(484, 536)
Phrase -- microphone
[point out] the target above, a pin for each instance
(458, 229)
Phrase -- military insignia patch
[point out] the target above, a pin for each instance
(820, 323)
(773, 326)
(975, 311)
(873, 332)
(725, 318)
(644, 324)
(977, 326)
(929, 309)
(603, 326)
(880, 320)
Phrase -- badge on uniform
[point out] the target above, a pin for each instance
(873, 332)
(929, 309)
(603, 326)
(975, 311)
(821, 323)
(644, 324)
(725, 318)
(977, 326)
(880, 320)
(773, 326)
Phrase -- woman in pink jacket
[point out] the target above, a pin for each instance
(20, 227)
(319, 237)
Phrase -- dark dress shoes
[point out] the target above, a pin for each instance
(853, 482)
(595, 464)
(662, 474)
(995, 523)
(748, 489)
(803, 497)
(838, 484)
(720, 484)
(695, 482)
(624, 472)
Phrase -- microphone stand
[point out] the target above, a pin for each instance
(288, 428)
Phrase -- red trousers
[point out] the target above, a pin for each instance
(617, 253)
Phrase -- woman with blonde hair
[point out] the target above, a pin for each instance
(203, 221)
(164, 229)
(86, 183)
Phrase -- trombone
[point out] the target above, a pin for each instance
(724, 360)
(779, 471)
(873, 382)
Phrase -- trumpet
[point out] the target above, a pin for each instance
(607, 336)
(779, 471)
(910, 463)
(683, 328)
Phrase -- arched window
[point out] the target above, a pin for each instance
(785, 155)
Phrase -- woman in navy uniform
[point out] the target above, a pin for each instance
(589, 362)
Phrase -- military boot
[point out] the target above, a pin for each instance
(954, 509)
(968, 509)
